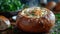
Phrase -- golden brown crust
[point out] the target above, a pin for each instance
(42, 24)
(3, 18)
(57, 7)
(51, 5)
(4, 23)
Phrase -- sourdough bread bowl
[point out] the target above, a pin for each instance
(51, 5)
(35, 19)
(57, 7)
(4, 23)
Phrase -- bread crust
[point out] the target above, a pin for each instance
(42, 24)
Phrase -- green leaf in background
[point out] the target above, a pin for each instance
(56, 29)
(57, 15)
(54, 33)
(10, 5)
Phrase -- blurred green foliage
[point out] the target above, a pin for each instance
(9, 5)
(56, 29)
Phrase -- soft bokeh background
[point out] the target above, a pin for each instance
(16, 6)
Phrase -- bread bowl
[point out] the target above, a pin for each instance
(51, 5)
(35, 19)
(4, 23)
(57, 7)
